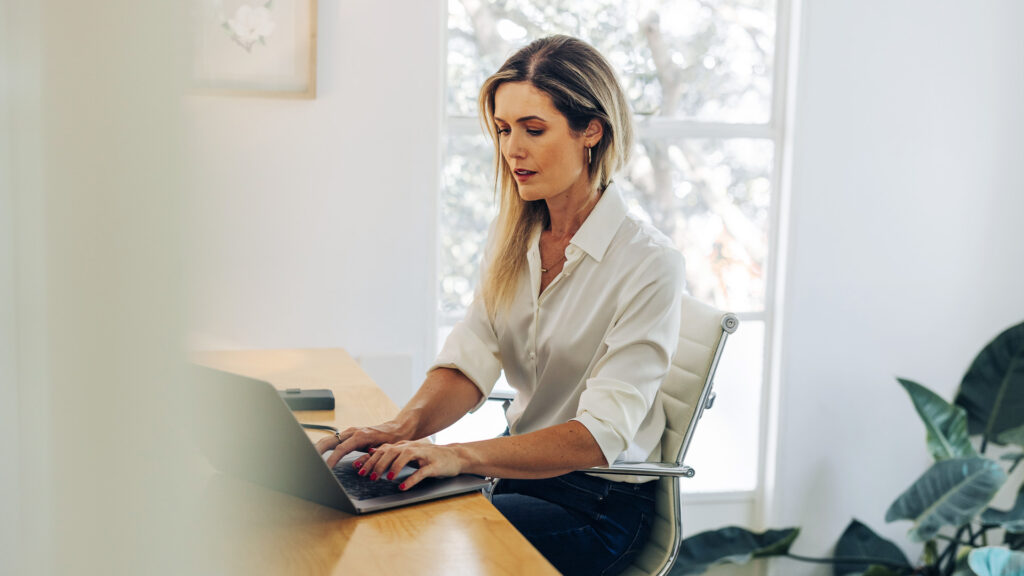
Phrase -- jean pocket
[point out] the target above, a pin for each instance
(645, 491)
(580, 491)
(629, 555)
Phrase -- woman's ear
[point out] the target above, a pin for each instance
(593, 133)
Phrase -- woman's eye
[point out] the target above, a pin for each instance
(534, 132)
(504, 130)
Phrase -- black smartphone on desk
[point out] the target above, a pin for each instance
(299, 399)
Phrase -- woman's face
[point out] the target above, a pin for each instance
(546, 158)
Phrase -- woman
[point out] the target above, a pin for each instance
(579, 305)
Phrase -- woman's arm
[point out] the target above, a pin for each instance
(552, 451)
(445, 396)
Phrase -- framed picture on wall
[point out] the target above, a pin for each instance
(255, 47)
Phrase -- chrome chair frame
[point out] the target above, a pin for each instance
(674, 471)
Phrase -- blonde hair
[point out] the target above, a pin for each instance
(583, 87)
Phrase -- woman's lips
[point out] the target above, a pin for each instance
(523, 175)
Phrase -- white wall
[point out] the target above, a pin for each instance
(23, 507)
(9, 481)
(314, 219)
(905, 245)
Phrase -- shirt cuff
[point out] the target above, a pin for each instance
(607, 439)
(469, 355)
(612, 411)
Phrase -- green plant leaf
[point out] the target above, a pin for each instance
(930, 554)
(732, 544)
(876, 570)
(994, 561)
(992, 390)
(859, 541)
(960, 567)
(1012, 436)
(1012, 520)
(1013, 458)
(945, 423)
(949, 493)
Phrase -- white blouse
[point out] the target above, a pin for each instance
(595, 346)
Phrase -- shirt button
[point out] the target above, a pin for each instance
(532, 355)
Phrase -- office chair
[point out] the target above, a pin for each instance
(685, 393)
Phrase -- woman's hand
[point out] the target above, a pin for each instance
(363, 438)
(386, 462)
(445, 396)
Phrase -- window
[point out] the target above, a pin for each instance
(700, 76)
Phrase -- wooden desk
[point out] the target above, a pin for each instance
(247, 529)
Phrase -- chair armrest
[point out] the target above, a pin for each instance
(502, 395)
(645, 469)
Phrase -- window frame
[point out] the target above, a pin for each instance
(778, 129)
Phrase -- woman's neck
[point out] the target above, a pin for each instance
(568, 211)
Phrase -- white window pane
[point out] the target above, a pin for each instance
(487, 422)
(712, 197)
(467, 208)
(724, 449)
(685, 59)
(707, 61)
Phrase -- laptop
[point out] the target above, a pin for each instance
(246, 430)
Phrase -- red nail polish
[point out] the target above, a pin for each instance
(391, 475)
(371, 450)
(401, 486)
(357, 464)
(373, 476)
(362, 472)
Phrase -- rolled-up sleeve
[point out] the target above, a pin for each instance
(472, 348)
(639, 346)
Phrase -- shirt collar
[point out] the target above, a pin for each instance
(600, 227)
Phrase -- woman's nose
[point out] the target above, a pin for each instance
(513, 147)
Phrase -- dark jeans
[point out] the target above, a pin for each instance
(581, 524)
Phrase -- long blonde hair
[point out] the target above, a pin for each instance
(583, 87)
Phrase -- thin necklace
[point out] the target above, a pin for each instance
(556, 262)
(550, 266)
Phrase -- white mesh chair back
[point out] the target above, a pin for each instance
(685, 393)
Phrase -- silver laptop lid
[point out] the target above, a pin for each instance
(247, 430)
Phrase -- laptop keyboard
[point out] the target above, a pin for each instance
(361, 487)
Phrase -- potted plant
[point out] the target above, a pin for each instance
(948, 505)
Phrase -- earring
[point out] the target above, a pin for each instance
(589, 156)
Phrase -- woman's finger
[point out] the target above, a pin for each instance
(333, 459)
(325, 444)
(329, 442)
(359, 462)
(384, 455)
(404, 459)
(355, 439)
(369, 461)
(369, 467)
(415, 478)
